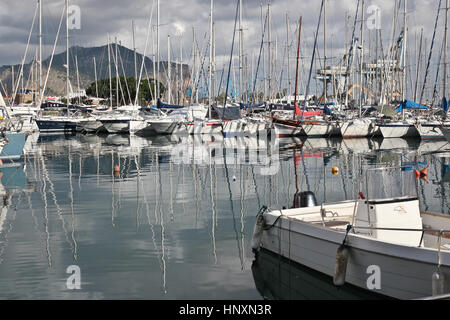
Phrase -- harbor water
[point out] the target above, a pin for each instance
(171, 217)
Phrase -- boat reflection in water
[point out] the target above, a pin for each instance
(277, 278)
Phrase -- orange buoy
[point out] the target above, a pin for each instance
(417, 174)
(424, 172)
(335, 171)
(116, 171)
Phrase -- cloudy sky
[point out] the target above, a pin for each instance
(178, 17)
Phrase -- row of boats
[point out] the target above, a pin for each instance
(234, 119)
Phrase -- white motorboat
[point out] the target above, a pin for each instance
(381, 243)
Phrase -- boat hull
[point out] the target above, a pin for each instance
(357, 129)
(398, 130)
(286, 130)
(116, 126)
(207, 127)
(430, 131)
(404, 272)
(318, 130)
(56, 125)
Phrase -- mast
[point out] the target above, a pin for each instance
(158, 90)
(269, 54)
(78, 79)
(181, 70)
(361, 61)
(444, 89)
(263, 24)
(405, 29)
(298, 59)
(67, 54)
(169, 70)
(288, 56)
(155, 96)
(110, 75)
(95, 74)
(241, 51)
(134, 49)
(117, 72)
(210, 57)
(325, 49)
(40, 46)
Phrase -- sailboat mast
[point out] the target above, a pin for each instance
(67, 54)
(444, 89)
(181, 70)
(78, 79)
(269, 54)
(241, 52)
(169, 72)
(158, 90)
(117, 72)
(298, 60)
(210, 57)
(325, 49)
(95, 74)
(134, 49)
(361, 61)
(288, 56)
(405, 38)
(40, 46)
(110, 75)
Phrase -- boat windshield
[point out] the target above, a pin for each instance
(391, 183)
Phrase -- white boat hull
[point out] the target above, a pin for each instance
(117, 126)
(314, 247)
(357, 129)
(430, 131)
(398, 130)
(204, 127)
(283, 130)
(318, 130)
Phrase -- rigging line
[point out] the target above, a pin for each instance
(231, 58)
(312, 61)
(259, 59)
(430, 55)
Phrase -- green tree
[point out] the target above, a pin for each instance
(127, 90)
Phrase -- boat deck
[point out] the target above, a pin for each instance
(338, 216)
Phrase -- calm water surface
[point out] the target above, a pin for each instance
(176, 221)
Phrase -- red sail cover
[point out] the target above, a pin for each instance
(299, 112)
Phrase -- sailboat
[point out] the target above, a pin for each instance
(65, 122)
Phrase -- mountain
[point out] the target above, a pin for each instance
(85, 56)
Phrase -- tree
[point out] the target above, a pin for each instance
(146, 90)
